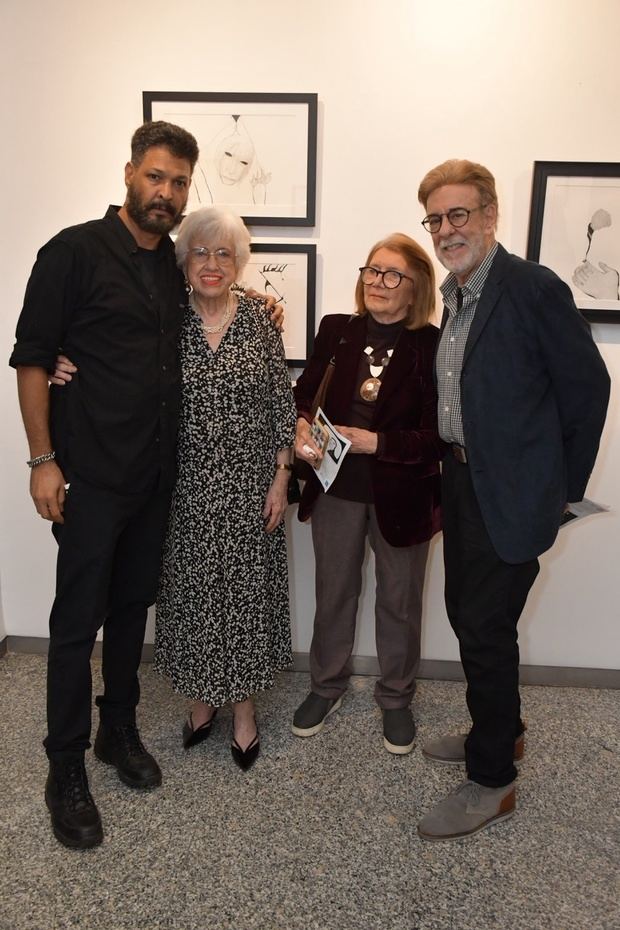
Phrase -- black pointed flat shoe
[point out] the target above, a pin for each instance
(191, 736)
(245, 758)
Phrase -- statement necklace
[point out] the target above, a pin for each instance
(369, 391)
(216, 327)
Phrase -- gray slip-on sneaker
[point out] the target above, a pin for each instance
(312, 713)
(467, 810)
(450, 750)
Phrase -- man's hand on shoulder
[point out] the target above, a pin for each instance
(275, 309)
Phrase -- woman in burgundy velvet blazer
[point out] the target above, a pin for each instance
(382, 397)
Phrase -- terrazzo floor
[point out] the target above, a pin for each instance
(320, 834)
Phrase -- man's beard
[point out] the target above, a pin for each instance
(139, 212)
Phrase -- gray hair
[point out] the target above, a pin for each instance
(209, 223)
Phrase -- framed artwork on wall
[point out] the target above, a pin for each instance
(575, 231)
(257, 151)
(287, 271)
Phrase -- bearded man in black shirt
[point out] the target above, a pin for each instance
(108, 294)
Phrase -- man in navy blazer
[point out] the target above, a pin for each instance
(523, 393)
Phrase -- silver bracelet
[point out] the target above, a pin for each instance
(40, 459)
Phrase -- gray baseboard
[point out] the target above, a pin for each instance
(434, 669)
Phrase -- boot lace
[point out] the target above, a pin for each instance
(74, 786)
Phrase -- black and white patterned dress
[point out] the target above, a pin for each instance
(223, 622)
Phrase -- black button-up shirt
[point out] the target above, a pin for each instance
(117, 316)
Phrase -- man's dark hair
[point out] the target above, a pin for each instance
(179, 141)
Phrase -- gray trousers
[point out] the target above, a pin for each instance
(339, 530)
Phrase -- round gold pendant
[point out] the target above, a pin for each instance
(369, 390)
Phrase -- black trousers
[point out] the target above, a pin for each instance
(109, 552)
(485, 597)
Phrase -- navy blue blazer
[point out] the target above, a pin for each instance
(405, 475)
(534, 392)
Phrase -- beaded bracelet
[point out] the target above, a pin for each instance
(40, 459)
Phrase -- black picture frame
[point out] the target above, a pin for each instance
(576, 205)
(287, 271)
(258, 151)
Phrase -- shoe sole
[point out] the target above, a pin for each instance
(154, 781)
(397, 750)
(446, 760)
(429, 837)
(87, 843)
(312, 731)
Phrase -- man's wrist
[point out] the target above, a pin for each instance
(41, 459)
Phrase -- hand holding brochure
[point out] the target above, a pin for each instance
(334, 447)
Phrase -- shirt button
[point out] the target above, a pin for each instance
(157, 439)
(446, 409)
(163, 403)
(451, 338)
(449, 373)
(163, 368)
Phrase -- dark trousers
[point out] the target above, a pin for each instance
(484, 599)
(339, 531)
(109, 551)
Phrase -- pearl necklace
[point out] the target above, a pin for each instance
(216, 327)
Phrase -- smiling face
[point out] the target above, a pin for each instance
(388, 305)
(209, 275)
(157, 190)
(462, 250)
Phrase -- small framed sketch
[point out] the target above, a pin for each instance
(288, 273)
(575, 231)
(257, 151)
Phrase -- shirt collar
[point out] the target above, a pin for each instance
(475, 282)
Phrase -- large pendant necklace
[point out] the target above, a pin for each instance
(216, 327)
(369, 390)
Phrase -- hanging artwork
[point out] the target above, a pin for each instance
(257, 151)
(575, 231)
(288, 273)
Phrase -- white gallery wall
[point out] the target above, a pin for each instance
(402, 85)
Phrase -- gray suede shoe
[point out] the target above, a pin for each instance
(450, 750)
(468, 809)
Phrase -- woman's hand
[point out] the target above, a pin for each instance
(305, 446)
(63, 372)
(276, 501)
(362, 440)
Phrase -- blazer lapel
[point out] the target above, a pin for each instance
(491, 293)
(347, 357)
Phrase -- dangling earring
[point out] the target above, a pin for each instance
(188, 288)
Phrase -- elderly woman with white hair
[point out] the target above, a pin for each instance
(223, 623)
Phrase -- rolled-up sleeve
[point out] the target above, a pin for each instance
(48, 304)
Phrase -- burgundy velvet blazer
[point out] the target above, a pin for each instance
(405, 475)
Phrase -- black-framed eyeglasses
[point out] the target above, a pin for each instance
(222, 256)
(391, 279)
(457, 217)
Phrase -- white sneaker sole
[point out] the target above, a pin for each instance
(397, 750)
(312, 731)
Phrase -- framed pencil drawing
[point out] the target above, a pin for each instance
(575, 231)
(257, 151)
(287, 272)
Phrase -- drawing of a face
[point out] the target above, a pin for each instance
(234, 158)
